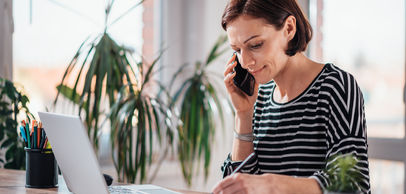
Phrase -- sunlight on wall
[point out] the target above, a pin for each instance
(43, 49)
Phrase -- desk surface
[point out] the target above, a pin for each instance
(13, 181)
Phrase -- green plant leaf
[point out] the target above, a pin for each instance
(78, 77)
(10, 152)
(68, 93)
(1, 131)
(177, 73)
(199, 103)
(13, 102)
(216, 103)
(343, 173)
(148, 75)
(7, 143)
(126, 12)
(71, 66)
(149, 120)
(136, 115)
(104, 76)
(214, 53)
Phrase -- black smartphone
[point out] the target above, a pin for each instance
(243, 79)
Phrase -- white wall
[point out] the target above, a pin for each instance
(188, 30)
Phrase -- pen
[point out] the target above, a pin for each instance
(243, 163)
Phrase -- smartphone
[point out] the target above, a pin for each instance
(243, 79)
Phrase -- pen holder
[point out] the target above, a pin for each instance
(41, 168)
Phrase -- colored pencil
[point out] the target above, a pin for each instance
(45, 144)
(27, 128)
(35, 135)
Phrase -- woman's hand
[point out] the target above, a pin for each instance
(266, 183)
(242, 102)
(246, 183)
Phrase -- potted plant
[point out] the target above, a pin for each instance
(344, 176)
(199, 104)
(105, 68)
(13, 101)
(140, 122)
(109, 72)
(139, 117)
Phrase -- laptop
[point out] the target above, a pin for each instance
(77, 160)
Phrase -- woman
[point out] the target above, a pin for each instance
(302, 112)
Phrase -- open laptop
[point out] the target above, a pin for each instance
(77, 160)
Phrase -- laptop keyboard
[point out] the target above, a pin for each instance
(131, 189)
(121, 189)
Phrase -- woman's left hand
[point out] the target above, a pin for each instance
(247, 183)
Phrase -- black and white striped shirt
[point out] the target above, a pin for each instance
(298, 137)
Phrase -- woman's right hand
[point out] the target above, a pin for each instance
(242, 102)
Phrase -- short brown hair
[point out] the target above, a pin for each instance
(275, 13)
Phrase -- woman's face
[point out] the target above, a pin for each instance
(260, 47)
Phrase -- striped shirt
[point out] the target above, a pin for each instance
(297, 138)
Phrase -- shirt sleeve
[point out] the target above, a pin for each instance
(251, 167)
(346, 128)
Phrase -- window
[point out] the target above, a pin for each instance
(44, 47)
(367, 39)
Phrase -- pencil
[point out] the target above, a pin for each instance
(45, 144)
(39, 135)
(27, 128)
(41, 145)
(35, 129)
(32, 127)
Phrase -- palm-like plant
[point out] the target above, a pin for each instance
(135, 116)
(107, 68)
(109, 62)
(140, 120)
(199, 103)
